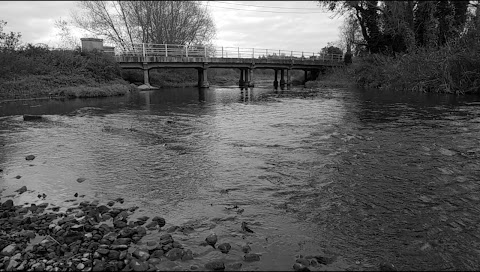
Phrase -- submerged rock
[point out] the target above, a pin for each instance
(30, 157)
(251, 257)
(211, 239)
(387, 267)
(224, 247)
(28, 117)
(300, 267)
(22, 190)
(80, 180)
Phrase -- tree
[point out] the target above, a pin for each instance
(8, 41)
(391, 27)
(127, 22)
(67, 40)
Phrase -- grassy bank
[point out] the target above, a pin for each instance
(340, 77)
(33, 72)
(454, 68)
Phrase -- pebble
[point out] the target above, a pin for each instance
(300, 267)
(211, 239)
(251, 257)
(224, 247)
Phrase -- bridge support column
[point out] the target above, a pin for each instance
(146, 79)
(251, 83)
(306, 77)
(282, 79)
(247, 79)
(289, 79)
(241, 82)
(275, 82)
(202, 78)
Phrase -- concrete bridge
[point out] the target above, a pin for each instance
(153, 56)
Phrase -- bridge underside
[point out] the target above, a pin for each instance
(246, 66)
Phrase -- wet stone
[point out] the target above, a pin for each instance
(215, 265)
(175, 254)
(166, 239)
(211, 239)
(300, 267)
(103, 251)
(9, 250)
(251, 257)
(141, 255)
(30, 157)
(122, 241)
(114, 254)
(303, 261)
(224, 247)
(387, 267)
(157, 253)
(137, 265)
(160, 221)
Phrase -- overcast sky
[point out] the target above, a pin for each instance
(286, 25)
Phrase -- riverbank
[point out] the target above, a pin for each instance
(36, 72)
(94, 236)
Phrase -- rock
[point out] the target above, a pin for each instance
(9, 250)
(80, 180)
(141, 255)
(30, 157)
(154, 261)
(166, 239)
(175, 254)
(251, 257)
(300, 267)
(119, 224)
(98, 266)
(193, 267)
(215, 265)
(38, 267)
(18, 177)
(80, 266)
(246, 248)
(303, 261)
(22, 190)
(212, 239)
(114, 254)
(157, 253)
(12, 264)
(187, 255)
(103, 251)
(111, 203)
(28, 117)
(176, 244)
(137, 265)
(122, 241)
(224, 247)
(7, 204)
(151, 225)
(143, 218)
(160, 221)
(387, 267)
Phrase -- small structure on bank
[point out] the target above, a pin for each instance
(90, 44)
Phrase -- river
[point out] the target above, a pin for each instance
(359, 176)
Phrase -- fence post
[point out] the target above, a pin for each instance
(291, 55)
(205, 51)
(266, 53)
(238, 52)
(222, 52)
(186, 51)
(143, 50)
(253, 53)
(166, 51)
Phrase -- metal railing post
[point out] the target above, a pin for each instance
(238, 48)
(205, 51)
(222, 52)
(186, 51)
(166, 51)
(266, 53)
(143, 50)
(253, 53)
(291, 55)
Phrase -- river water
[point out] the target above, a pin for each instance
(362, 177)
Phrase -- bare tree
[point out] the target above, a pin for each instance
(128, 22)
(67, 39)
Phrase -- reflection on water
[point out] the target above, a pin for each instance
(363, 176)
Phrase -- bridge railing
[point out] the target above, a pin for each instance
(176, 50)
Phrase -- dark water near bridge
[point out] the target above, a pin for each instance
(361, 176)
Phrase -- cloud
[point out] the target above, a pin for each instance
(238, 23)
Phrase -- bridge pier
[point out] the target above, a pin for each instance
(241, 82)
(289, 79)
(250, 83)
(275, 82)
(146, 79)
(202, 78)
(306, 77)
(282, 79)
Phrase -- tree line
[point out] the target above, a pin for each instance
(390, 27)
